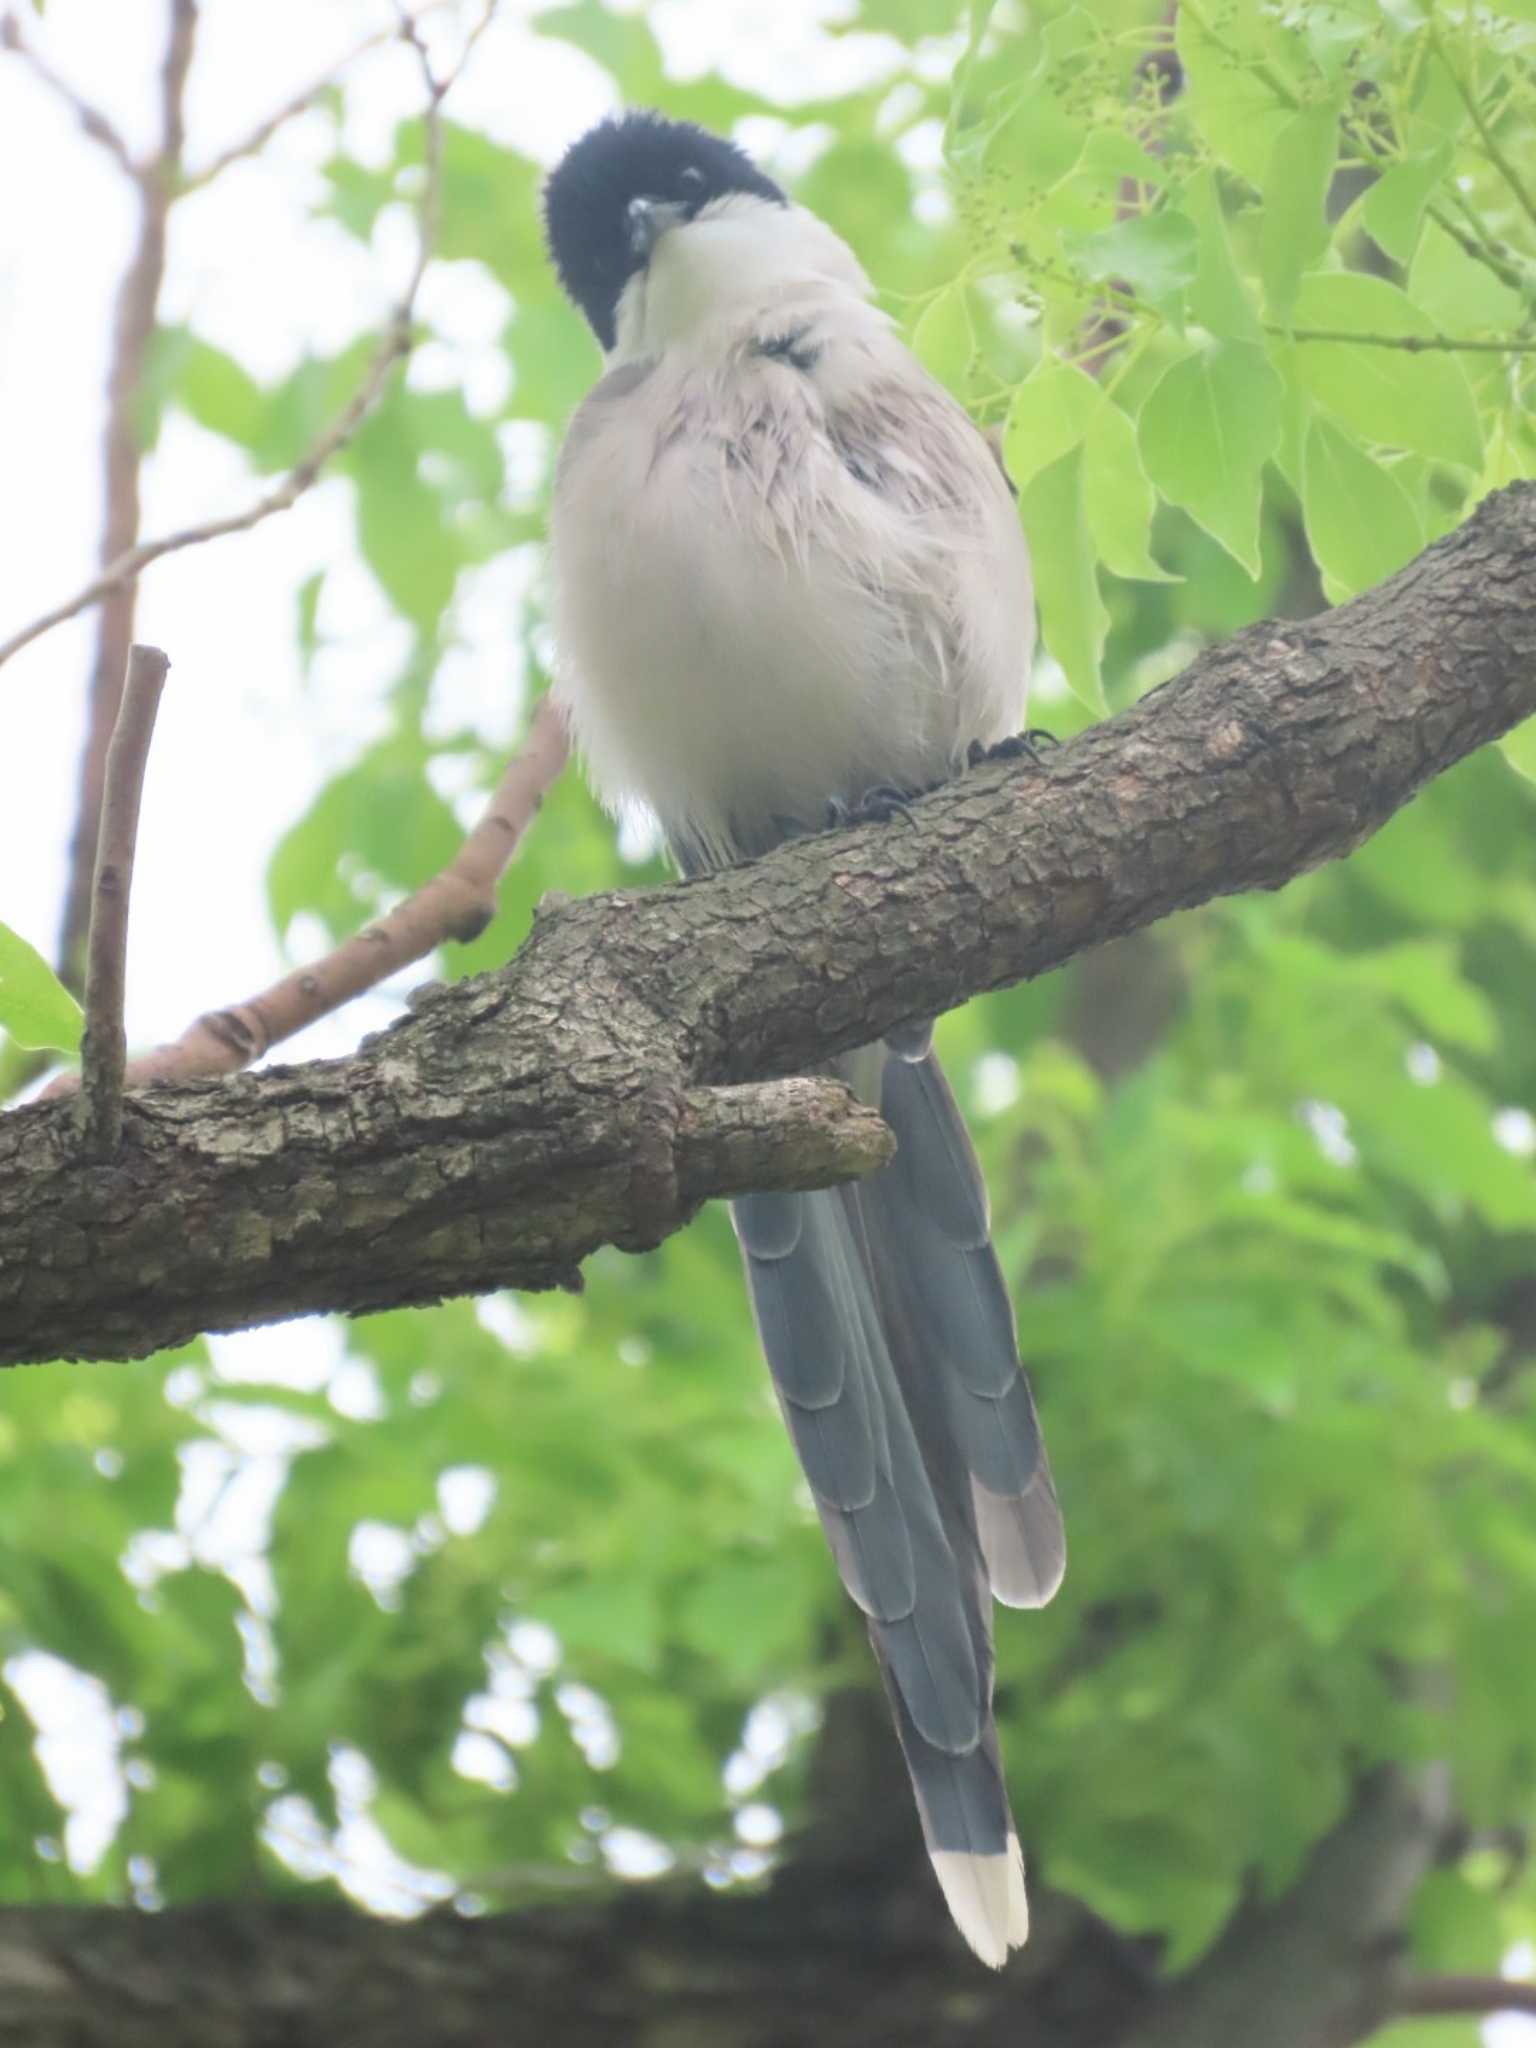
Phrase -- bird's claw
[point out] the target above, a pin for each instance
(1018, 746)
(876, 806)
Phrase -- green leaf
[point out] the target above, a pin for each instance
(1462, 295)
(1329, 1589)
(308, 609)
(220, 394)
(858, 188)
(1454, 1924)
(380, 822)
(612, 1614)
(357, 195)
(622, 43)
(1435, 110)
(307, 400)
(944, 339)
(910, 21)
(1238, 100)
(490, 211)
(1217, 298)
(1072, 615)
(1037, 146)
(1393, 211)
(1293, 227)
(1407, 399)
(1432, 2034)
(1059, 407)
(555, 362)
(1206, 431)
(1427, 977)
(35, 1007)
(412, 549)
(1048, 417)
(1361, 523)
(1519, 748)
(749, 1614)
(1118, 496)
(1155, 253)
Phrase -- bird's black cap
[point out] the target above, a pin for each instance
(636, 156)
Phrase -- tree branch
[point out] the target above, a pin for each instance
(113, 584)
(255, 140)
(1470, 1996)
(1316, 1967)
(95, 123)
(846, 1944)
(138, 299)
(457, 904)
(173, 88)
(1413, 344)
(517, 1121)
(865, 1962)
(103, 1049)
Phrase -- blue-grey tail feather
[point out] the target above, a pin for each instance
(891, 1342)
(952, 1331)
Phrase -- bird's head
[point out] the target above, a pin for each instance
(627, 186)
(663, 233)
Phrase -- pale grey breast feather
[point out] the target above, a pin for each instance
(592, 416)
(836, 537)
(915, 446)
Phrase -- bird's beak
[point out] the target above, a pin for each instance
(649, 220)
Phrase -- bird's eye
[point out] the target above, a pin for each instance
(690, 174)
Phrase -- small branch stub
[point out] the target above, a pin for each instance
(457, 904)
(104, 1050)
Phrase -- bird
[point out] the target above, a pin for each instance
(789, 587)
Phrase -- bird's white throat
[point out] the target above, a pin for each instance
(742, 259)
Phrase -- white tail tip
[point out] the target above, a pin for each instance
(985, 1896)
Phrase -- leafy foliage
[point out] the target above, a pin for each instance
(1305, 278)
(35, 1007)
(1250, 345)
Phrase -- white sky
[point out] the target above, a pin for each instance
(242, 744)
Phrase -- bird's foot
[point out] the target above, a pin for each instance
(1019, 746)
(877, 806)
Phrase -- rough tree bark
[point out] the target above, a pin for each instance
(848, 1951)
(611, 1078)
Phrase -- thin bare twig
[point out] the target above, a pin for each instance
(1414, 344)
(91, 118)
(408, 18)
(256, 140)
(395, 343)
(104, 1049)
(1495, 257)
(134, 319)
(456, 904)
(1472, 1996)
(173, 87)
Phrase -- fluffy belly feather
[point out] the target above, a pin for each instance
(749, 632)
